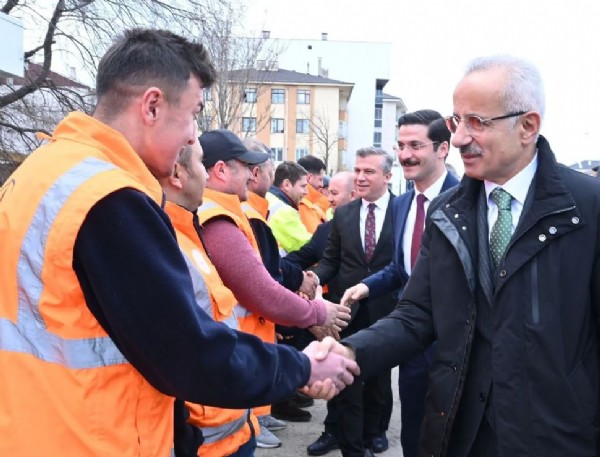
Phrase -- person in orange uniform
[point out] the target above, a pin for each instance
(99, 326)
(314, 205)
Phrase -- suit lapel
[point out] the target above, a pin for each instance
(384, 241)
(353, 224)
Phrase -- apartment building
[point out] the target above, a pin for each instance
(294, 113)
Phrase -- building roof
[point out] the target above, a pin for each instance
(33, 70)
(284, 77)
(390, 97)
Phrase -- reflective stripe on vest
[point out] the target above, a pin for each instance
(202, 295)
(214, 434)
(29, 334)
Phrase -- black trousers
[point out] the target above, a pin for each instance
(358, 412)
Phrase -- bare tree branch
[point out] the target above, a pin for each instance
(9, 5)
(47, 46)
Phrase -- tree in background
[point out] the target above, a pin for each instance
(77, 33)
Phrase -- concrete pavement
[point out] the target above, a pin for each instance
(297, 435)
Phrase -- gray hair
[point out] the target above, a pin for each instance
(373, 151)
(524, 89)
(254, 145)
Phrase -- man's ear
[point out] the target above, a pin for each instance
(442, 150)
(530, 124)
(175, 178)
(152, 102)
(286, 185)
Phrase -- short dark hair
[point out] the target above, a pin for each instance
(437, 131)
(288, 170)
(312, 164)
(184, 158)
(141, 58)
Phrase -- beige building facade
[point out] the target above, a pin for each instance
(295, 114)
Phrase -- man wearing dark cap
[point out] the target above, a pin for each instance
(231, 245)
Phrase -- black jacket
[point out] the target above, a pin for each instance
(543, 301)
(344, 256)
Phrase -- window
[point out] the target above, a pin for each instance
(378, 113)
(276, 125)
(303, 97)
(301, 152)
(377, 139)
(248, 124)
(277, 154)
(207, 93)
(204, 123)
(250, 95)
(302, 125)
(277, 96)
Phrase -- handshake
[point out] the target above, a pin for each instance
(332, 368)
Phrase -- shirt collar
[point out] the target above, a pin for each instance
(435, 189)
(380, 203)
(518, 185)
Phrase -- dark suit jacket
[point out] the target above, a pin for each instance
(345, 255)
(394, 276)
(311, 252)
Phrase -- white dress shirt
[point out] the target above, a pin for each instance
(380, 208)
(517, 186)
(430, 193)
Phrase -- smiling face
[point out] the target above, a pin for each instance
(423, 165)
(169, 126)
(504, 147)
(371, 182)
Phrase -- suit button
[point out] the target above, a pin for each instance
(442, 413)
(482, 397)
(502, 273)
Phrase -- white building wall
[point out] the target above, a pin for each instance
(11, 51)
(360, 63)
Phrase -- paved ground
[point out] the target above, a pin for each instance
(297, 435)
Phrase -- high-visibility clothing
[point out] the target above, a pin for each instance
(256, 207)
(313, 209)
(218, 204)
(224, 430)
(286, 225)
(65, 386)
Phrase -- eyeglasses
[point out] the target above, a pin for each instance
(413, 145)
(476, 124)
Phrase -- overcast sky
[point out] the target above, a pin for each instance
(433, 40)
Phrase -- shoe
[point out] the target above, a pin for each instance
(271, 423)
(288, 411)
(266, 439)
(380, 443)
(302, 401)
(324, 444)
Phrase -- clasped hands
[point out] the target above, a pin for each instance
(332, 368)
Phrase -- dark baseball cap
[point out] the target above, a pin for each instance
(225, 145)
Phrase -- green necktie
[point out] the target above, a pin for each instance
(501, 231)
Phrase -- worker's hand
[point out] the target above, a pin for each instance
(355, 293)
(327, 362)
(309, 284)
(321, 389)
(337, 316)
(321, 332)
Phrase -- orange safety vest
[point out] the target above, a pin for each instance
(313, 209)
(65, 386)
(224, 430)
(217, 204)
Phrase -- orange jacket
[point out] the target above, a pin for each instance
(62, 376)
(224, 430)
(217, 204)
(313, 209)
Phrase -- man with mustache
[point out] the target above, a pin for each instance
(508, 284)
(423, 142)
